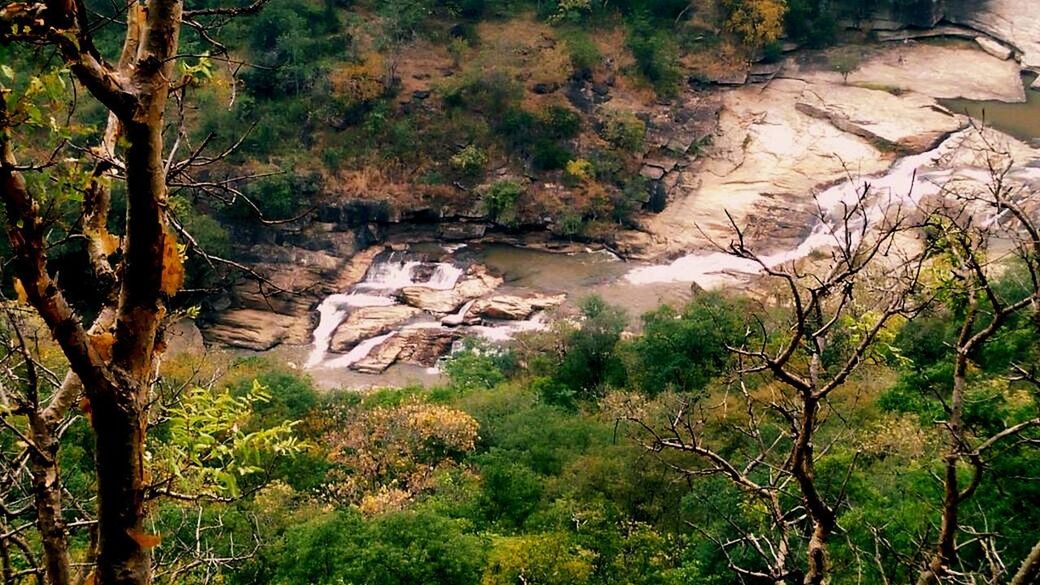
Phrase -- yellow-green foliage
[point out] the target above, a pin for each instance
(756, 22)
(546, 559)
(206, 450)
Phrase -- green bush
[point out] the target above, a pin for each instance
(590, 362)
(560, 123)
(624, 131)
(500, 201)
(399, 548)
(276, 197)
(656, 56)
(479, 91)
(583, 53)
(548, 155)
(683, 350)
(477, 366)
(470, 161)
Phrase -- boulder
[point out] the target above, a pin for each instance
(513, 307)
(995, 48)
(477, 283)
(651, 172)
(249, 329)
(416, 345)
(368, 322)
(1012, 22)
(461, 231)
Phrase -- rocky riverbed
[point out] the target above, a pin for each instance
(779, 152)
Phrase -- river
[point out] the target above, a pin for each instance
(1021, 120)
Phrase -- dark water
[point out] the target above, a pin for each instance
(1019, 120)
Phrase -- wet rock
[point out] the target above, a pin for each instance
(249, 329)
(478, 282)
(418, 345)
(513, 307)
(368, 322)
(994, 48)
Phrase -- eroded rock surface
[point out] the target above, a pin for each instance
(476, 283)
(777, 145)
(421, 346)
(369, 322)
(253, 329)
(513, 307)
(1015, 22)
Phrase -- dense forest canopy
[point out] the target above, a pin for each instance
(870, 415)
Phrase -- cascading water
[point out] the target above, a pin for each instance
(906, 183)
(384, 278)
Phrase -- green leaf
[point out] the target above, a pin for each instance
(7, 71)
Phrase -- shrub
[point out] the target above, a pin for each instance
(469, 161)
(583, 53)
(590, 361)
(656, 56)
(500, 201)
(580, 171)
(624, 131)
(518, 126)
(477, 366)
(488, 93)
(559, 122)
(811, 23)
(276, 197)
(548, 155)
(682, 351)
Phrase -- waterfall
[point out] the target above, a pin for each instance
(331, 312)
(359, 351)
(458, 318)
(904, 183)
(383, 279)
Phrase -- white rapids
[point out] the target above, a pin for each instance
(384, 278)
(906, 183)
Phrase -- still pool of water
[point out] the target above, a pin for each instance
(579, 275)
(1021, 120)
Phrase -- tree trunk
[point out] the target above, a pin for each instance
(119, 428)
(946, 549)
(46, 486)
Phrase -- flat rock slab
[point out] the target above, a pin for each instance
(514, 307)
(937, 71)
(1013, 22)
(368, 322)
(249, 329)
(995, 48)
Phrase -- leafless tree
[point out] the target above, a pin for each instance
(982, 231)
(787, 374)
